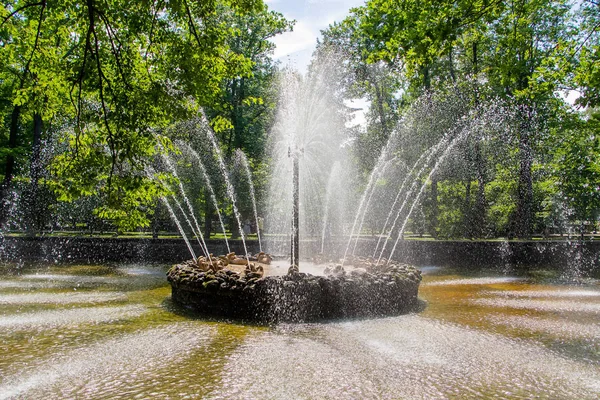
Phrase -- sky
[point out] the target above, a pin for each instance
(295, 48)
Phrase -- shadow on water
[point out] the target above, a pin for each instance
(193, 314)
(140, 343)
(529, 274)
(541, 306)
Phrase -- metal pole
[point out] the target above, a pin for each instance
(295, 257)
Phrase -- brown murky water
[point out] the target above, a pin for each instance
(103, 332)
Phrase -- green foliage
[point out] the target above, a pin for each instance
(588, 77)
(578, 168)
(112, 80)
(500, 193)
(587, 73)
(116, 72)
(243, 110)
(451, 199)
(417, 34)
(517, 51)
(134, 194)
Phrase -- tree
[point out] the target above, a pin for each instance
(247, 101)
(587, 74)
(420, 36)
(499, 46)
(126, 70)
(524, 37)
(415, 43)
(244, 109)
(379, 83)
(578, 168)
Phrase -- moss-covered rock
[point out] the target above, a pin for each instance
(297, 296)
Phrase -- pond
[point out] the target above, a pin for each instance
(111, 331)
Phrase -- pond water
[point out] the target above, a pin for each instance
(111, 332)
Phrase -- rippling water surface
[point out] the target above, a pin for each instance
(111, 332)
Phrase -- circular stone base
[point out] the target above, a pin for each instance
(296, 297)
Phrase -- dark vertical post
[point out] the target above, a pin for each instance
(296, 210)
(34, 216)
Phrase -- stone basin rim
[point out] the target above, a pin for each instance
(297, 296)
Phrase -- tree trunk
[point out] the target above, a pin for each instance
(232, 116)
(451, 66)
(426, 77)
(433, 223)
(34, 211)
(238, 126)
(10, 164)
(381, 111)
(524, 213)
(155, 225)
(36, 148)
(467, 220)
(475, 64)
(480, 203)
(479, 212)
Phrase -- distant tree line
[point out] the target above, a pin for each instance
(540, 176)
(94, 93)
(90, 94)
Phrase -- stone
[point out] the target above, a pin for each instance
(211, 285)
(377, 290)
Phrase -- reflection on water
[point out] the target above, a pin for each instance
(118, 336)
(572, 330)
(45, 319)
(474, 281)
(61, 298)
(402, 357)
(111, 367)
(546, 293)
(542, 305)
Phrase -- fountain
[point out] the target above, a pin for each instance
(309, 147)
(245, 288)
(112, 330)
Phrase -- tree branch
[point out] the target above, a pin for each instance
(35, 44)
(79, 83)
(151, 34)
(592, 31)
(115, 50)
(101, 78)
(9, 16)
(191, 23)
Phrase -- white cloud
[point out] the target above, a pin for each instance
(301, 38)
(295, 48)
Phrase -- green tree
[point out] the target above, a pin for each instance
(578, 168)
(247, 101)
(426, 44)
(244, 110)
(420, 36)
(500, 47)
(524, 37)
(379, 83)
(587, 75)
(125, 70)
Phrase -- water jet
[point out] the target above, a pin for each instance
(353, 287)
